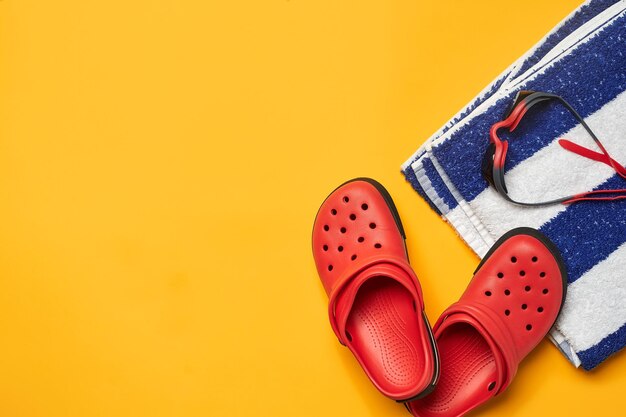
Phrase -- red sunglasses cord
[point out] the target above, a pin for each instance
(603, 157)
(514, 118)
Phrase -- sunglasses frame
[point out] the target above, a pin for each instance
(495, 155)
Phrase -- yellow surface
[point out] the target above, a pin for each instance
(161, 163)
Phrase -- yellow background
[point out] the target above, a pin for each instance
(161, 163)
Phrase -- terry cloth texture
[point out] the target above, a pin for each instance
(583, 60)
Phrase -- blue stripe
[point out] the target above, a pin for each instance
(480, 100)
(410, 176)
(587, 233)
(583, 15)
(595, 355)
(571, 77)
(437, 182)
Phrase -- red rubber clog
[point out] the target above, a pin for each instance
(375, 307)
(509, 306)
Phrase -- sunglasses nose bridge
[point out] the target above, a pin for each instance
(493, 132)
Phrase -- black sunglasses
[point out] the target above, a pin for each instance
(495, 156)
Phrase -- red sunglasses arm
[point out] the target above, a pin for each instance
(603, 157)
(588, 196)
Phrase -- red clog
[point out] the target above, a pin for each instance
(509, 306)
(376, 307)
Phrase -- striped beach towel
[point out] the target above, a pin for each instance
(583, 60)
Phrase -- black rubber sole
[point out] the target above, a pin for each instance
(529, 231)
(396, 216)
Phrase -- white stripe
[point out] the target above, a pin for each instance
(564, 346)
(595, 307)
(467, 232)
